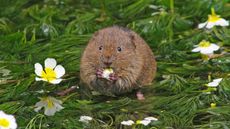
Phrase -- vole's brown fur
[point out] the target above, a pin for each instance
(134, 65)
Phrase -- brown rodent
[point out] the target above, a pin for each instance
(126, 53)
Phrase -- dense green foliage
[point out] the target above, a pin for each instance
(178, 97)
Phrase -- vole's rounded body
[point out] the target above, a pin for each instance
(125, 52)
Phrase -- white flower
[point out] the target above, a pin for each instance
(85, 119)
(214, 20)
(128, 122)
(215, 82)
(151, 118)
(107, 72)
(52, 72)
(50, 104)
(205, 47)
(146, 120)
(7, 121)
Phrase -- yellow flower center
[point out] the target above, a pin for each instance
(204, 44)
(138, 122)
(205, 57)
(213, 105)
(50, 103)
(48, 74)
(213, 17)
(4, 122)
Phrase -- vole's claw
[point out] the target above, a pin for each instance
(113, 77)
(99, 73)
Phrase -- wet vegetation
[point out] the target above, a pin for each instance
(33, 30)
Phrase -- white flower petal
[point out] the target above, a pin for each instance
(10, 118)
(56, 101)
(213, 84)
(58, 107)
(13, 125)
(202, 25)
(151, 118)
(210, 25)
(50, 63)
(37, 109)
(38, 69)
(56, 81)
(40, 79)
(40, 104)
(214, 47)
(218, 80)
(85, 119)
(145, 122)
(59, 70)
(128, 122)
(206, 50)
(50, 111)
(196, 49)
(222, 22)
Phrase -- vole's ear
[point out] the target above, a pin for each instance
(133, 39)
(94, 37)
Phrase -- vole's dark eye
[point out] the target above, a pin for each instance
(100, 48)
(119, 49)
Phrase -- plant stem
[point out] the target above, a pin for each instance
(172, 6)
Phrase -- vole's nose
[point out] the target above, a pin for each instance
(108, 62)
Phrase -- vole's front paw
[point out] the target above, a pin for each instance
(113, 77)
(99, 73)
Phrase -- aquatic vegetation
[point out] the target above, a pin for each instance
(213, 20)
(215, 82)
(52, 72)
(127, 123)
(50, 104)
(188, 91)
(146, 121)
(7, 121)
(205, 47)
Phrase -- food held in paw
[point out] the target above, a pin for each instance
(107, 72)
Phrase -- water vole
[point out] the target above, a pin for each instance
(122, 51)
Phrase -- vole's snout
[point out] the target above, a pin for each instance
(107, 60)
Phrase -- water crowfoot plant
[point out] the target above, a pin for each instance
(213, 20)
(205, 47)
(51, 73)
(146, 121)
(32, 31)
(213, 105)
(7, 121)
(85, 119)
(214, 83)
(50, 104)
(127, 123)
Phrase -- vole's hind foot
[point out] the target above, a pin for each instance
(140, 96)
